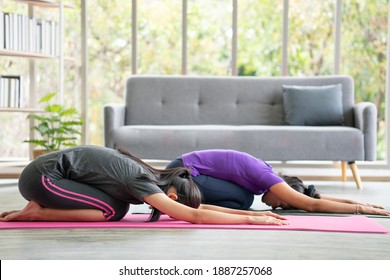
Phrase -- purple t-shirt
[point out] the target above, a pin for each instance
(240, 168)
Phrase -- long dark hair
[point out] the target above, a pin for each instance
(298, 185)
(179, 178)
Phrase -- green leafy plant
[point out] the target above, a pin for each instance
(58, 127)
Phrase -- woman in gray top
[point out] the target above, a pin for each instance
(91, 183)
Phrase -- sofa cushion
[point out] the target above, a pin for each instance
(279, 142)
(313, 105)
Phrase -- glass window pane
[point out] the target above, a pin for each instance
(159, 37)
(109, 50)
(12, 135)
(259, 37)
(363, 52)
(311, 37)
(209, 37)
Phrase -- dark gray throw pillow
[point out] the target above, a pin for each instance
(313, 105)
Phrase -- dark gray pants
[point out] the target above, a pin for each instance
(63, 193)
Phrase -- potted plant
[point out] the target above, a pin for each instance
(58, 127)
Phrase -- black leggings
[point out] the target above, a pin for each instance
(220, 192)
(68, 194)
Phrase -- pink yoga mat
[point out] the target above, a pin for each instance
(356, 223)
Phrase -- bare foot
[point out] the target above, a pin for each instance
(29, 213)
(5, 214)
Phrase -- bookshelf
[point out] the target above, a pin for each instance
(11, 166)
(6, 52)
(31, 38)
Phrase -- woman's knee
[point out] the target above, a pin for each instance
(121, 209)
(30, 182)
(223, 193)
(243, 202)
(175, 163)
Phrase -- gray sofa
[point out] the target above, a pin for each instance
(275, 118)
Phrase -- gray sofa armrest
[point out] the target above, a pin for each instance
(366, 121)
(114, 117)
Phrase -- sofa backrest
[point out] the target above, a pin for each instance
(192, 100)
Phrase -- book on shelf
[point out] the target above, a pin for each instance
(28, 34)
(1, 29)
(11, 92)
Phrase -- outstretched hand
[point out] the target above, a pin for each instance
(270, 214)
(371, 210)
(371, 205)
(268, 220)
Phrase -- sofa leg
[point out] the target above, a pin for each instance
(343, 171)
(356, 175)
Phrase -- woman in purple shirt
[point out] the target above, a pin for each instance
(231, 178)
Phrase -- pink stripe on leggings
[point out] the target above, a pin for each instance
(109, 212)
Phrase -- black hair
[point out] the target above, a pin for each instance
(298, 185)
(187, 191)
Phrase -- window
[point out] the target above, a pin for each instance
(209, 37)
(311, 37)
(259, 51)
